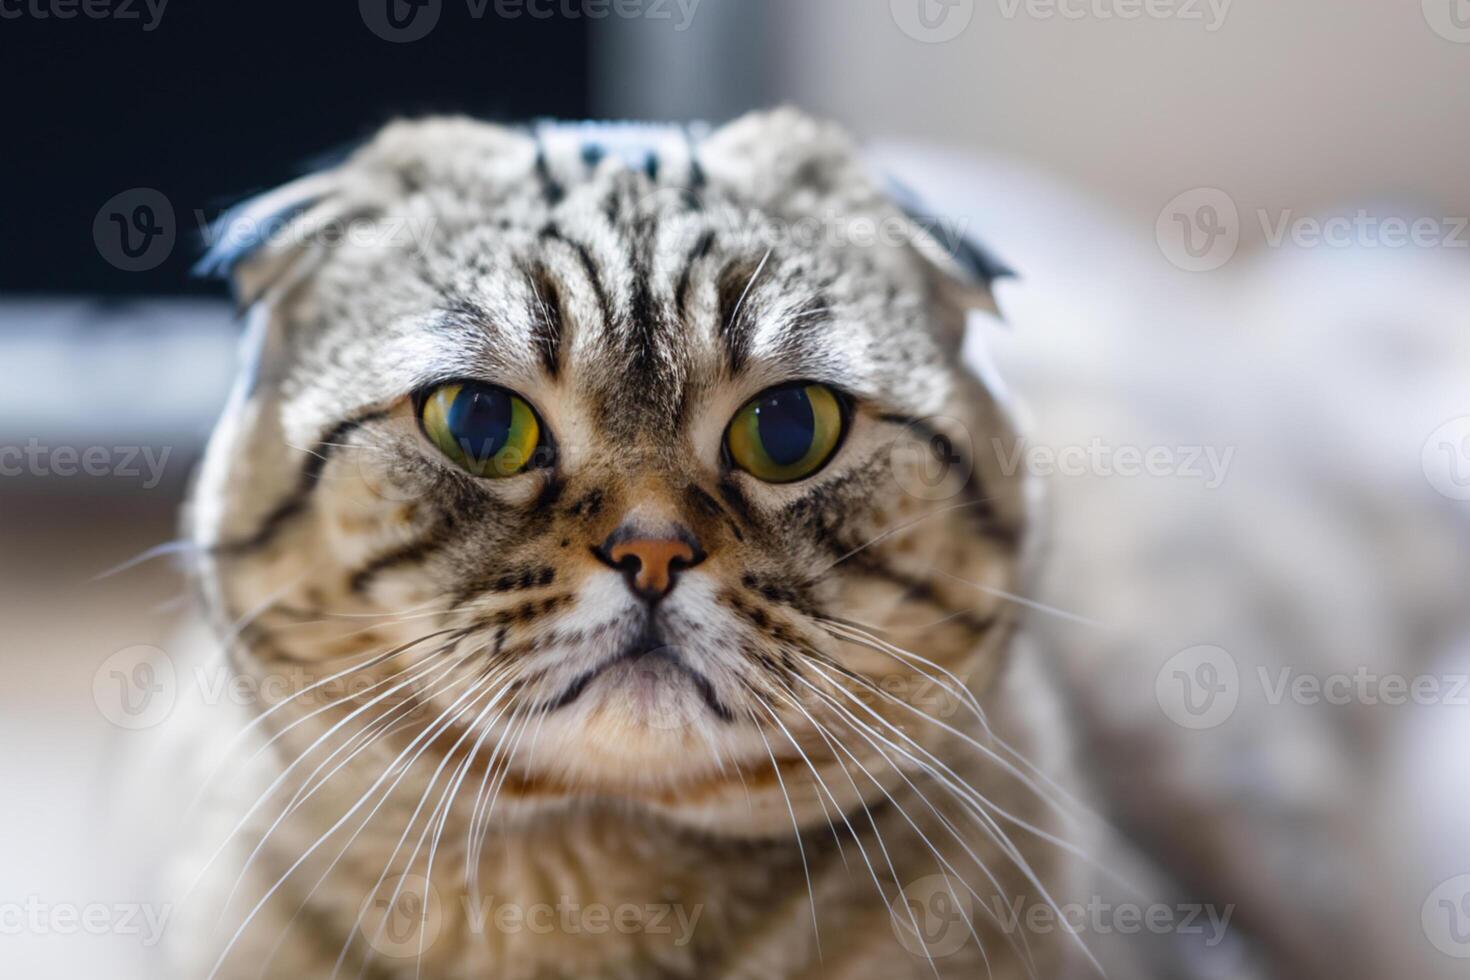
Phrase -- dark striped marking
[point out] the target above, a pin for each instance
(552, 233)
(306, 482)
(588, 505)
(736, 500)
(415, 551)
(700, 250)
(980, 508)
(736, 324)
(701, 501)
(792, 596)
(523, 612)
(645, 319)
(549, 495)
(697, 178)
(554, 191)
(916, 589)
(547, 320)
(512, 580)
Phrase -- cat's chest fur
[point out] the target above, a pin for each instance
(615, 891)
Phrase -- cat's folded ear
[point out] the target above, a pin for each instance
(961, 270)
(796, 166)
(256, 242)
(278, 236)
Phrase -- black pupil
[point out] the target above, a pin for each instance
(479, 421)
(787, 425)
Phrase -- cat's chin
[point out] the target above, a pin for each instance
(656, 689)
(649, 741)
(640, 726)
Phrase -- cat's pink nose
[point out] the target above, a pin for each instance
(650, 563)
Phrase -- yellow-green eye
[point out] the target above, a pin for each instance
(786, 433)
(487, 430)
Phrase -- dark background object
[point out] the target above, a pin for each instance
(222, 100)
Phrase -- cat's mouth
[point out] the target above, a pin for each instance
(647, 665)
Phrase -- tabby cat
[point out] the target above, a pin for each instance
(603, 525)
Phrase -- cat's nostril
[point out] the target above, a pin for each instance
(649, 563)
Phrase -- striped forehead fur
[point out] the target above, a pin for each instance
(474, 236)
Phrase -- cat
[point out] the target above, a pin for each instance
(601, 522)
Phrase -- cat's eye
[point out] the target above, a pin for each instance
(786, 433)
(488, 431)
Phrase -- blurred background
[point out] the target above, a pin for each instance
(1242, 237)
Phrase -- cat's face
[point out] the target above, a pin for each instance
(613, 480)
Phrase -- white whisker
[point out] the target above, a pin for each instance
(796, 829)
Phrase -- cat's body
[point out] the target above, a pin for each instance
(778, 756)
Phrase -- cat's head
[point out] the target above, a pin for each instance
(623, 460)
